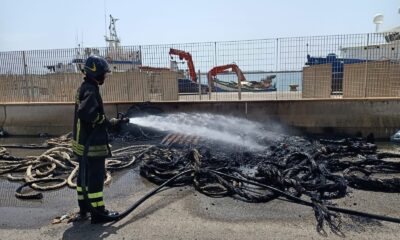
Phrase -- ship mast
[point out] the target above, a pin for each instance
(113, 40)
(115, 52)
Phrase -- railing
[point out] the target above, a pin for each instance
(340, 66)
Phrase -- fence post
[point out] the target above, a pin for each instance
(199, 84)
(210, 84)
(25, 77)
(366, 67)
(142, 83)
(239, 89)
(276, 67)
(239, 81)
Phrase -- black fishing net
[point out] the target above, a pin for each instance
(316, 170)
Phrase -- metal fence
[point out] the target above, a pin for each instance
(340, 66)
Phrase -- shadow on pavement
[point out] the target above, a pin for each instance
(86, 230)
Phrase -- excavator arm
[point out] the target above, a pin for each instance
(225, 68)
(188, 57)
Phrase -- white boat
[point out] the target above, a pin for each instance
(120, 59)
(390, 50)
(384, 45)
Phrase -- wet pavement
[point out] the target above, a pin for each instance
(34, 213)
(183, 213)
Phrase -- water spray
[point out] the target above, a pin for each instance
(224, 129)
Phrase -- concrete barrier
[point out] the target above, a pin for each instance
(331, 116)
(2, 116)
(33, 119)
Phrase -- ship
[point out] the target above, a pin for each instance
(388, 49)
(383, 45)
(120, 59)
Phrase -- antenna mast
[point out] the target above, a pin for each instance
(113, 40)
(378, 20)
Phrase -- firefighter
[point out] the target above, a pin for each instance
(89, 116)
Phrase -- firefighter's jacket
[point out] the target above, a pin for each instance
(89, 115)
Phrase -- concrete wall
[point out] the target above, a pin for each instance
(163, 85)
(372, 79)
(13, 88)
(126, 86)
(2, 115)
(34, 119)
(337, 116)
(317, 81)
(134, 85)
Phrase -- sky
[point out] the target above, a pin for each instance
(59, 24)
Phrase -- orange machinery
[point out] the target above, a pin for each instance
(223, 69)
(188, 57)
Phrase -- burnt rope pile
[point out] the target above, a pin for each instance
(292, 167)
(57, 167)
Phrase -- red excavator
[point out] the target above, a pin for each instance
(186, 56)
(264, 84)
(224, 69)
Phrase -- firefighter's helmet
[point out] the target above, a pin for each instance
(96, 66)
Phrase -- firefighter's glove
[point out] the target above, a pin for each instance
(114, 121)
